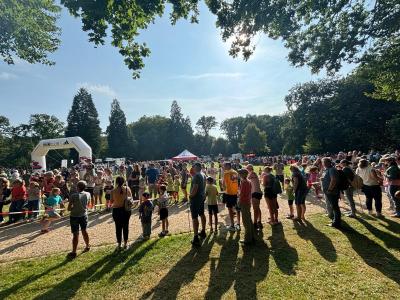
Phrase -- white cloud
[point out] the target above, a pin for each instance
(103, 89)
(7, 76)
(210, 75)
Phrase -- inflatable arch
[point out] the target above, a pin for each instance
(39, 153)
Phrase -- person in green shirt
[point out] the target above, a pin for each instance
(212, 203)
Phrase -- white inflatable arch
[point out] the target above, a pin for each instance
(39, 153)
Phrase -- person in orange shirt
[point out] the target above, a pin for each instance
(230, 198)
(18, 197)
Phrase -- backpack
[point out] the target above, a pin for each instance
(357, 182)
(276, 186)
(343, 182)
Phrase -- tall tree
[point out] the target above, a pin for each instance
(83, 120)
(117, 132)
(205, 124)
(28, 30)
(254, 140)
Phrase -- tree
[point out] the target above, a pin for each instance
(220, 146)
(117, 132)
(44, 126)
(205, 124)
(28, 30)
(253, 140)
(83, 120)
(321, 34)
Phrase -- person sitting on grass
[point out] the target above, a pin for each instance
(163, 210)
(79, 218)
(290, 196)
(51, 204)
(145, 213)
(245, 206)
(212, 203)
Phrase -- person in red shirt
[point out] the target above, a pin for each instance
(245, 206)
(18, 197)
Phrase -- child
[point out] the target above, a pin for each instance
(98, 189)
(51, 203)
(107, 190)
(34, 195)
(163, 210)
(18, 197)
(142, 185)
(145, 213)
(177, 184)
(290, 195)
(313, 180)
(212, 203)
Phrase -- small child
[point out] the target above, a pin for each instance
(290, 195)
(145, 213)
(51, 203)
(107, 190)
(163, 210)
(313, 181)
(177, 185)
(212, 203)
(34, 195)
(142, 186)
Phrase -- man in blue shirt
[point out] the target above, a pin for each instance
(330, 188)
(151, 179)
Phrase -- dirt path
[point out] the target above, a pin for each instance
(25, 241)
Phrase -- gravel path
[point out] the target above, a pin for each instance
(23, 241)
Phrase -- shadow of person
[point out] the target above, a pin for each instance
(391, 225)
(321, 242)
(222, 269)
(68, 287)
(182, 273)
(284, 255)
(30, 279)
(373, 254)
(252, 268)
(391, 241)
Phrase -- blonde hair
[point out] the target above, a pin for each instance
(55, 190)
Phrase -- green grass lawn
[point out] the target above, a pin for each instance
(310, 261)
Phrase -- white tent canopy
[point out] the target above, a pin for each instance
(185, 155)
(38, 154)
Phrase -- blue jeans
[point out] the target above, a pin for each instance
(16, 206)
(333, 200)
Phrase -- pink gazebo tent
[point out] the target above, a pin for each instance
(185, 155)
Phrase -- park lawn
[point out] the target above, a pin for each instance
(310, 261)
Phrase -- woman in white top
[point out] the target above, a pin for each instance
(256, 195)
(371, 186)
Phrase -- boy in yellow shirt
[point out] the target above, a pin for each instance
(212, 203)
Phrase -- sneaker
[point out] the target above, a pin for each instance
(231, 228)
(202, 234)
(196, 242)
(289, 216)
(237, 227)
(161, 234)
(43, 231)
(71, 255)
(379, 215)
(351, 215)
(370, 212)
(395, 216)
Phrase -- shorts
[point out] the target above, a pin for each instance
(230, 200)
(98, 191)
(90, 191)
(196, 208)
(77, 222)
(256, 195)
(213, 209)
(52, 213)
(163, 213)
(268, 193)
(300, 197)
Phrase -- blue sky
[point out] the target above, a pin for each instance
(189, 63)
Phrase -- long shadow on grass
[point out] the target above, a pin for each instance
(373, 254)
(284, 255)
(182, 273)
(390, 240)
(28, 280)
(252, 268)
(222, 269)
(391, 225)
(321, 242)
